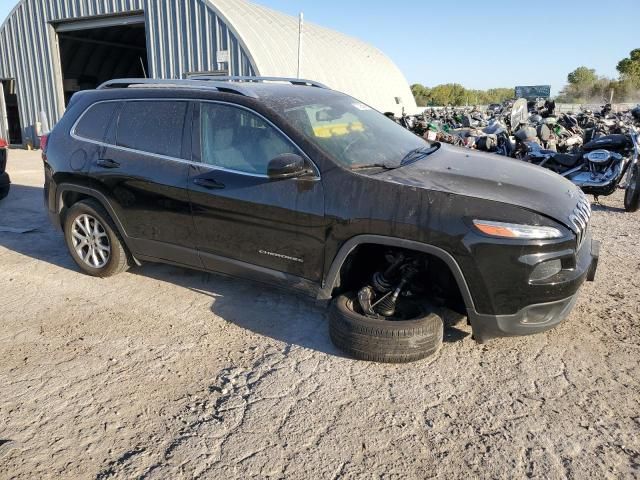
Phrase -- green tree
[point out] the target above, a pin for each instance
(584, 86)
(455, 94)
(629, 67)
(582, 76)
(448, 94)
(421, 94)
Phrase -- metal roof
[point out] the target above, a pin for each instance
(343, 63)
(186, 36)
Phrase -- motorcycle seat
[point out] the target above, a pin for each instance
(493, 129)
(614, 142)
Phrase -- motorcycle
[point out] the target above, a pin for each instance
(603, 165)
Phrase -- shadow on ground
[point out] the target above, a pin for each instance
(282, 315)
(601, 207)
(25, 228)
(279, 314)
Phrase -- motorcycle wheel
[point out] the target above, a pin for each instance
(632, 193)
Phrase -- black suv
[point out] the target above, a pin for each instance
(5, 182)
(290, 183)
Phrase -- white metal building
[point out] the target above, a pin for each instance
(50, 49)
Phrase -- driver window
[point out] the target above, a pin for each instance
(239, 140)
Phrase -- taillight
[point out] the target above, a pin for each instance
(43, 143)
(3, 143)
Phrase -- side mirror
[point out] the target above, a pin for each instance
(287, 165)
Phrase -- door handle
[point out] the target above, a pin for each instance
(208, 184)
(107, 163)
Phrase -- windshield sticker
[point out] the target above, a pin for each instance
(337, 129)
(361, 106)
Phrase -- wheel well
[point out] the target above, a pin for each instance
(441, 287)
(67, 200)
(70, 198)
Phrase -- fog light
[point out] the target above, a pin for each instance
(546, 270)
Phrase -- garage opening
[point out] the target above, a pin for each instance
(94, 51)
(10, 127)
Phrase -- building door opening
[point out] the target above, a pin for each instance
(10, 126)
(94, 51)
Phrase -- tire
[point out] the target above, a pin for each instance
(107, 264)
(632, 193)
(385, 341)
(4, 191)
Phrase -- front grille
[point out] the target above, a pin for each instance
(580, 217)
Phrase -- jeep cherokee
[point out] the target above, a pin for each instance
(290, 183)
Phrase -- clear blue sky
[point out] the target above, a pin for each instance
(480, 44)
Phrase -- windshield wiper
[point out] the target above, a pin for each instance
(371, 166)
(419, 154)
(411, 157)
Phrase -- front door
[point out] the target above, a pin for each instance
(239, 213)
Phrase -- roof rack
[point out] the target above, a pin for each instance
(155, 82)
(293, 81)
(129, 82)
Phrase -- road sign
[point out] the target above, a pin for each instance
(533, 92)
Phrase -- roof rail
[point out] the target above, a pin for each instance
(293, 81)
(156, 82)
(129, 82)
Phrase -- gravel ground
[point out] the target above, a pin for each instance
(167, 373)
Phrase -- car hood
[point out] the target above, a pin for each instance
(492, 177)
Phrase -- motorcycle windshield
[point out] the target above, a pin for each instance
(519, 113)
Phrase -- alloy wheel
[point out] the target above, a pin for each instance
(90, 241)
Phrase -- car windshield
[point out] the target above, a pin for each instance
(352, 133)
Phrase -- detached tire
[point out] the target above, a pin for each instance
(386, 341)
(632, 193)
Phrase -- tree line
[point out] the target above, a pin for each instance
(455, 94)
(584, 85)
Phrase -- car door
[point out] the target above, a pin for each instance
(241, 214)
(144, 170)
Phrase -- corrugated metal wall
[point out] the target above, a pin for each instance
(182, 36)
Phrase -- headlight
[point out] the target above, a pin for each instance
(516, 231)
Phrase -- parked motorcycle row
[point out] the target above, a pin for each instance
(597, 151)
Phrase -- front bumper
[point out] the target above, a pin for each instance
(534, 318)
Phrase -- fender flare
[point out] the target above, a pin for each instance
(350, 245)
(98, 196)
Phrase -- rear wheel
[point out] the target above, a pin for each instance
(4, 191)
(93, 240)
(415, 337)
(632, 193)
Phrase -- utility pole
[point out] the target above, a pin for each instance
(300, 32)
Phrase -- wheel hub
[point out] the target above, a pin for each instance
(90, 241)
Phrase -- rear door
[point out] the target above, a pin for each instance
(241, 214)
(143, 168)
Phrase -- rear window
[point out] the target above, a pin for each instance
(94, 123)
(153, 127)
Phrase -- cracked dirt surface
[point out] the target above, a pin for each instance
(168, 373)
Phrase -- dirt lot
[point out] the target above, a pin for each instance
(168, 373)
